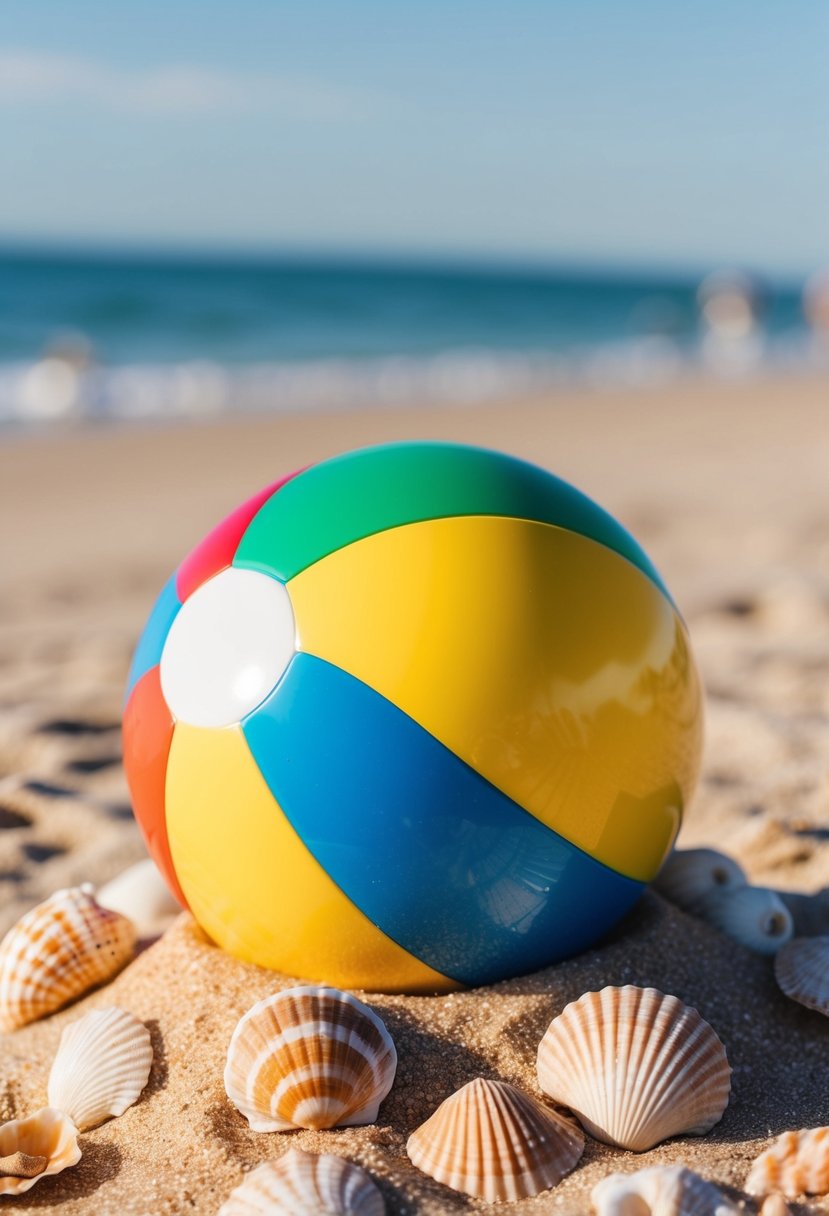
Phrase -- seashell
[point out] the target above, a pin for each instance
(754, 916)
(635, 1066)
(796, 1163)
(801, 968)
(142, 895)
(102, 1064)
(775, 1205)
(304, 1184)
(56, 952)
(309, 1057)
(689, 875)
(48, 1137)
(492, 1141)
(661, 1190)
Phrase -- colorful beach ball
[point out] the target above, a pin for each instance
(417, 717)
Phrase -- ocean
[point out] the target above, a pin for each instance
(120, 336)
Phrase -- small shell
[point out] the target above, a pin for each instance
(141, 894)
(101, 1067)
(492, 1141)
(753, 916)
(663, 1190)
(797, 1163)
(801, 968)
(635, 1066)
(309, 1057)
(56, 952)
(689, 875)
(304, 1184)
(775, 1205)
(48, 1133)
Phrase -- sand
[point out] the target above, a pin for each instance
(725, 485)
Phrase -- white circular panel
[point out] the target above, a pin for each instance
(227, 648)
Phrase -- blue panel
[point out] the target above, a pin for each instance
(151, 643)
(443, 862)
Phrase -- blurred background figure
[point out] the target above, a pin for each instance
(732, 307)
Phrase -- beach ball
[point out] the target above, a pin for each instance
(418, 717)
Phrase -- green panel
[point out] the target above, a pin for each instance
(354, 495)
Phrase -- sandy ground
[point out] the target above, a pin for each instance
(726, 487)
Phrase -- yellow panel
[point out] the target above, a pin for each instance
(252, 884)
(549, 663)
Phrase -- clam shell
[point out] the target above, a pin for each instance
(775, 1205)
(801, 968)
(797, 1163)
(304, 1184)
(689, 875)
(47, 1133)
(663, 1190)
(56, 952)
(635, 1066)
(309, 1057)
(492, 1141)
(753, 916)
(102, 1065)
(142, 895)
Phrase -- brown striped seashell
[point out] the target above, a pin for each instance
(102, 1064)
(801, 968)
(661, 1190)
(754, 916)
(689, 875)
(494, 1142)
(309, 1057)
(304, 1184)
(635, 1066)
(41, 1145)
(796, 1163)
(59, 950)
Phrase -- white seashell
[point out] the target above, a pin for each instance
(775, 1205)
(141, 894)
(801, 968)
(101, 1067)
(753, 916)
(796, 1163)
(635, 1066)
(689, 875)
(309, 1057)
(49, 1137)
(492, 1141)
(56, 952)
(304, 1184)
(661, 1190)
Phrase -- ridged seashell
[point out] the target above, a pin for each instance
(56, 952)
(309, 1057)
(689, 875)
(635, 1066)
(775, 1205)
(142, 895)
(662, 1190)
(492, 1141)
(753, 916)
(801, 968)
(47, 1133)
(797, 1163)
(102, 1065)
(304, 1184)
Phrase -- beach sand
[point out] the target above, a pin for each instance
(724, 484)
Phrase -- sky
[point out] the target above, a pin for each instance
(545, 130)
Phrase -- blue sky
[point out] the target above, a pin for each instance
(636, 132)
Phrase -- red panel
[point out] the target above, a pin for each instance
(218, 548)
(148, 732)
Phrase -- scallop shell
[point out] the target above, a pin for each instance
(754, 916)
(48, 1133)
(101, 1067)
(775, 1205)
(689, 875)
(801, 968)
(63, 947)
(797, 1163)
(492, 1141)
(304, 1184)
(663, 1190)
(309, 1057)
(635, 1066)
(141, 894)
